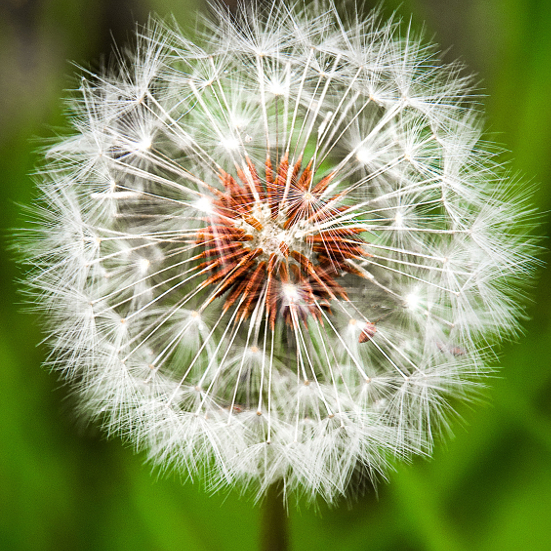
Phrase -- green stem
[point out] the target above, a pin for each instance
(274, 532)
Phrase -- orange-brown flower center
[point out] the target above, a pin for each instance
(270, 245)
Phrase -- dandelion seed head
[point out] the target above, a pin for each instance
(278, 252)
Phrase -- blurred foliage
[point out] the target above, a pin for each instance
(64, 487)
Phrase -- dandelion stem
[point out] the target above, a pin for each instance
(274, 534)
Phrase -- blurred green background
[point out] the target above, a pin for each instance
(63, 487)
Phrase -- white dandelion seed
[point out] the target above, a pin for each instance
(277, 253)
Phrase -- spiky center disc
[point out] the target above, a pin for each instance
(271, 247)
